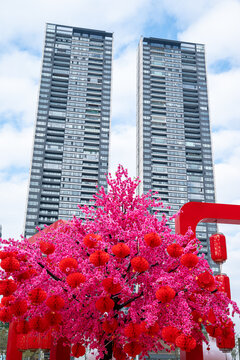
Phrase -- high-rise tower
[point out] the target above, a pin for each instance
(174, 155)
(71, 143)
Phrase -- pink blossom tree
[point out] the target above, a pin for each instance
(119, 281)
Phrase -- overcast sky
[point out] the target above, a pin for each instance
(213, 22)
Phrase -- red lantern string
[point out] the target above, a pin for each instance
(91, 240)
(111, 287)
(139, 264)
(174, 250)
(189, 260)
(121, 250)
(99, 258)
(152, 239)
(165, 294)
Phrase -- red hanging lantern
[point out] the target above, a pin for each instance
(75, 279)
(91, 240)
(189, 260)
(37, 296)
(121, 250)
(104, 304)
(111, 287)
(214, 331)
(99, 258)
(5, 315)
(28, 274)
(218, 248)
(19, 307)
(5, 254)
(32, 341)
(109, 326)
(118, 352)
(186, 342)
(226, 344)
(68, 264)
(46, 247)
(7, 300)
(7, 287)
(174, 250)
(152, 239)
(53, 318)
(133, 330)
(10, 264)
(165, 294)
(55, 302)
(139, 264)
(133, 348)
(22, 327)
(206, 281)
(224, 284)
(153, 329)
(170, 333)
(38, 324)
(78, 350)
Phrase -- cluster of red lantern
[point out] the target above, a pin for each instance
(55, 302)
(7, 287)
(133, 330)
(32, 341)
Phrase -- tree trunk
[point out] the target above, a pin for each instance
(109, 353)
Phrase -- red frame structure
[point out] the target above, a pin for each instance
(190, 215)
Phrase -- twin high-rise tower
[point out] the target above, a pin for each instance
(71, 145)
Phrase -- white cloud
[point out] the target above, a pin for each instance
(15, 147)
(19, 78)
(123, 148)
(219, 29)
(224, 98)
(13, 194)
(124, 86)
